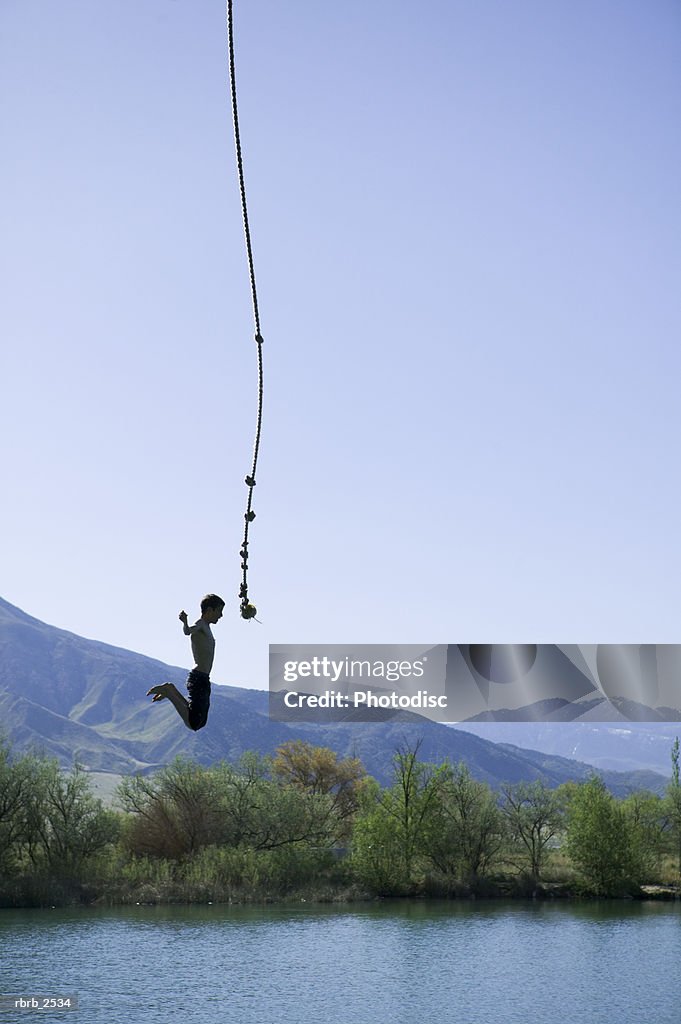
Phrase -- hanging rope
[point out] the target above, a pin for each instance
(248, 610)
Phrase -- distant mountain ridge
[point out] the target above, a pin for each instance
(595, 709)
(78, 699)
(614, 746)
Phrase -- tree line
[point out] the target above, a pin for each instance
(309, 823)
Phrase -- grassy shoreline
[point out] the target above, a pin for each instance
(52, 894)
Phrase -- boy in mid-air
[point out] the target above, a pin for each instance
(194, 712)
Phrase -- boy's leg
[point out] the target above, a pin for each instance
(179, 702)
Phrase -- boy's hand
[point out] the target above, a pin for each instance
(183, 618)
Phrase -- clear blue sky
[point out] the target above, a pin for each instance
(466, 223)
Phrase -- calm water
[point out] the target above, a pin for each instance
(397, 962)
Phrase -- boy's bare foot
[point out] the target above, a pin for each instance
(159, 692)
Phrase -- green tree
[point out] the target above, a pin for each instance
(409, 805)
(173, 813)
(673, 803)
(64, 824)
(14, 791)
(599, 840)
(241, 788)
(318, 771)
(392, 824)
(646, 820)
(466, 830)
(270, 811)
(534, 815)
(411, 802)
(377, 858)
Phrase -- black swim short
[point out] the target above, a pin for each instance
(198, 687)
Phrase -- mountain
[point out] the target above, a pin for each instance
(82, 700)
(620, 746)
(595, 709)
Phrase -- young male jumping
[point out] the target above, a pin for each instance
(194, 712)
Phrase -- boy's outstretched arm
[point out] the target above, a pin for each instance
(186, 628)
